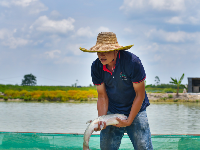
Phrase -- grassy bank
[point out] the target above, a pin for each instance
(57, 95)
(162, 90)
(4, 88)
(61, 93)
(149, 89)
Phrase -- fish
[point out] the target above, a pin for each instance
(109, 119)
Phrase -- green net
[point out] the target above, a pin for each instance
(37, 141)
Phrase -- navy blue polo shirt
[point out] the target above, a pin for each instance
(119, 84)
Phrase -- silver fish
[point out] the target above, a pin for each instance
(109, 119)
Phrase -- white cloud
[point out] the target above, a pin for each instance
(172, 5)
(132, 3)
(103, 29)
(85, 32)
(156, 58)
(23, 3)
(170, 11)
(175, 20)
(44, 24)
(194, 20)
(129, 30)
(74, 48)
(34, 6)
(37, 7)
(55, 13)
(148, 49)
(68, 60)
(179, 36)
(7, 39)
(5, 3)
(13, 42)
(52, 54)
(15, 30)
(3, 33)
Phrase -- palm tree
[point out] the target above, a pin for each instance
(177, 82)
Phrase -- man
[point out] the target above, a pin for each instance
(119, 76)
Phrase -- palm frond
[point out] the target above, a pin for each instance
(182, 77)
(172, 79)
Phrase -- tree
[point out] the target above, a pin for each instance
(157, 80)
(29, 79)
(177, 82)
(76, 83)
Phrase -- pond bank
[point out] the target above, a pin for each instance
(171, 97)
(153, 97)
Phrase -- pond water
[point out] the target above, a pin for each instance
(171, 118)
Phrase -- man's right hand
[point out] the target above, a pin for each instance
(100, 124)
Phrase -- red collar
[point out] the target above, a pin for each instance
(106, 69)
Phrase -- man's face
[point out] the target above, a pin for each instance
(107, 57)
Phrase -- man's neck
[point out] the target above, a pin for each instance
(111, 65)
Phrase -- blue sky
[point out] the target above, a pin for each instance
(43, 37)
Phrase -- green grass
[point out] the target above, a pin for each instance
(3, 88)
(162, 90)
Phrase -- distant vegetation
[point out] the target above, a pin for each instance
(177, 82)
(163, 86)
(29, 80)
(28, 90)
(57, 95)
(65, 93)
(3, 88)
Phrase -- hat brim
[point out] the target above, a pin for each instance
(121, 48)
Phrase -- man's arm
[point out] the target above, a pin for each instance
(102, 103)
(136, 106)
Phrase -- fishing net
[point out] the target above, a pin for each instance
(37, 141)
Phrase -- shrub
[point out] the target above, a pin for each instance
(21, 97)
(23, 93)
(5, 98)
(42, 96)
(168, 90)
(27, 98)
(170, 96)
(52, 95)
(39, 99)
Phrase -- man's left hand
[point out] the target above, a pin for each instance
(122, 123)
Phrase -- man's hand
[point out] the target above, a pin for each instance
(100, 125)
(122, 123)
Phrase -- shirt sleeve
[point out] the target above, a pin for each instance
(96, 74)
(137, 71)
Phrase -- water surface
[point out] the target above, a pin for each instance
(171, 118)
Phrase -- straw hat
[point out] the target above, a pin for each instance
(106, 41)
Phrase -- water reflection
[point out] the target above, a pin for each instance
(172, 118)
